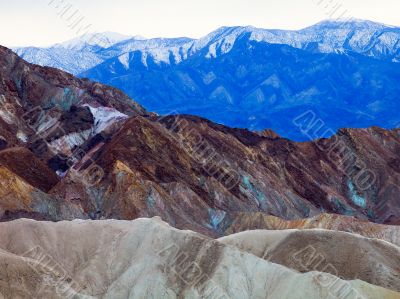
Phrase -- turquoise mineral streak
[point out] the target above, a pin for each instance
(357, 199)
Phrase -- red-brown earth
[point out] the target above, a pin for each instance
(71, 148)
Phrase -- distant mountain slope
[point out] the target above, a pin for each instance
(73, 56)
(347, 73)
(258, 85)
(362, 37)
(82, 53)
(102, 40)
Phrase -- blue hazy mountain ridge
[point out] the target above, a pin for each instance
(347, 73)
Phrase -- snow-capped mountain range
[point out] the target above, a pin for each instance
(246, 76)
(82, 53)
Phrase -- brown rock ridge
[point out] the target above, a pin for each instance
(20, 199)
(49, 111)
(173, 181)
(25, 164)
(113, 160)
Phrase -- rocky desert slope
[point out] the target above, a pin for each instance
(147, 258)
(72, 148)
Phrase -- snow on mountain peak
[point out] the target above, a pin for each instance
(329, 36)
(349, 23)
(104, 40)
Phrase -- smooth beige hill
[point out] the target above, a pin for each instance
(147, 258)
(346, 255)
(254, 221)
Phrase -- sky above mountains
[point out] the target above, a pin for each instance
(45, 22)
